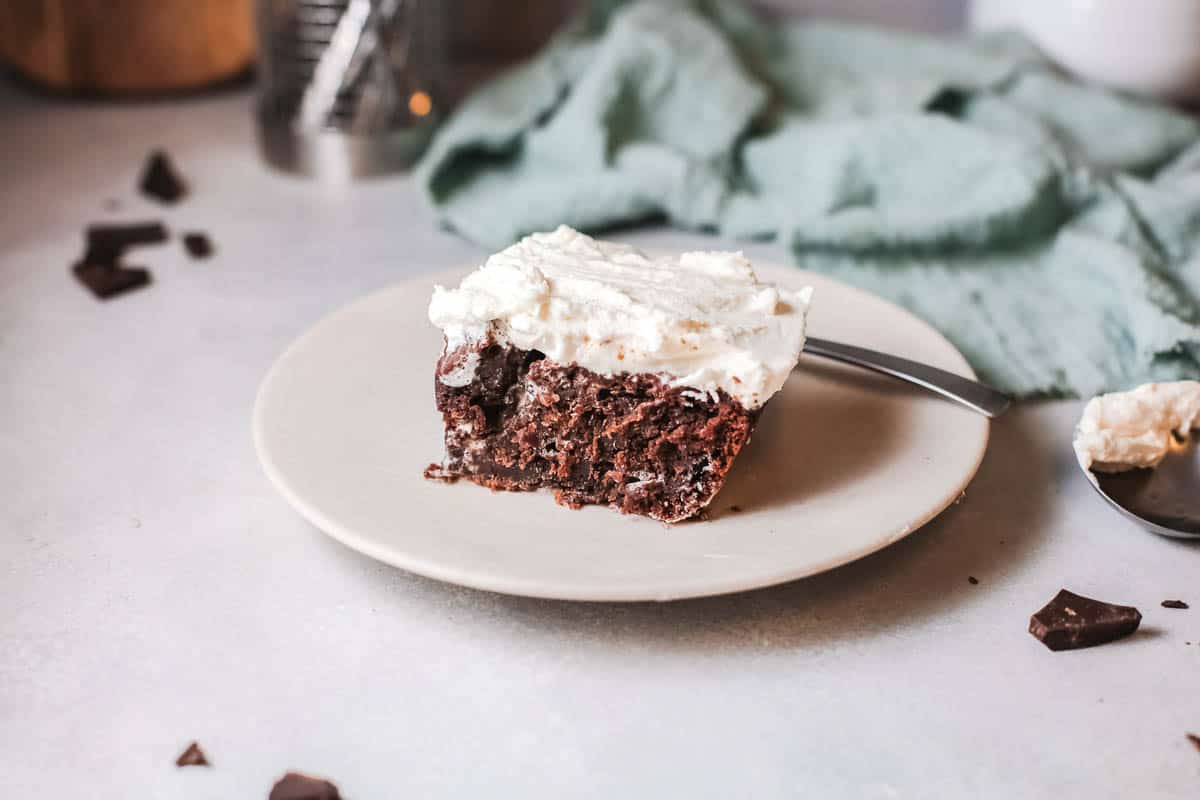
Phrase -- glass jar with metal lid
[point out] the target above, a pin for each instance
(348, 88)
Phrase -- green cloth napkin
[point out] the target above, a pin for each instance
(1050, 229)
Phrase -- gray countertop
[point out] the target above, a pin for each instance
(155, 588)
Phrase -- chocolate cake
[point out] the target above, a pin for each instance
(609, 377)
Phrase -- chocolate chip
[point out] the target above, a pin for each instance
(971, 579)
(1070, 621)
(160, 180)
(298, 786)
(198, 245)
(192, 757)
(1174, 604)
(107, 280)
(1194, 739)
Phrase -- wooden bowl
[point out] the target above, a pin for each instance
(127, 46)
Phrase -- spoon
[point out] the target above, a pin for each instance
(972, 394)
(1163, 500)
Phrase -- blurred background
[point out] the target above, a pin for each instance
(352, 86)
(360, 85)
(149, 45)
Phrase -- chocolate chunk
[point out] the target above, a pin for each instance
(971, 579)
(1070, 621)
(1174, 604)
(1194, 739)
(100, 257)
(198, 245)
(298, 786)
(160, 180)
(100, 269)
(107, 280)
(192, 757)
(115, 239)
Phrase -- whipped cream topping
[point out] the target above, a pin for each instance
(700, 320)
(1128, 430)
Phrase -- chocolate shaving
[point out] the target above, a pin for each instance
(1071, 621)
(160, 179)
(193, 756)
(198, 245)
(1174, 604)
(298, 786)
(971, 579)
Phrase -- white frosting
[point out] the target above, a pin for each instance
(463, 374)
(1127, 430)
(700, 320)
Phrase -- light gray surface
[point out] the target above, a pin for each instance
(156, 590)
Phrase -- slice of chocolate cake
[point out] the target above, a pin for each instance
(608, 376)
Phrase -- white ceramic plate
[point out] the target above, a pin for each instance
(842, 463)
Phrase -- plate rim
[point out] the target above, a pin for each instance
(440, 571)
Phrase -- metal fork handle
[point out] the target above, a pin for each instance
(972, 394)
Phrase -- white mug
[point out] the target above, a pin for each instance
(1148, 46)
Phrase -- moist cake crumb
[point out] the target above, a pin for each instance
(626, 441)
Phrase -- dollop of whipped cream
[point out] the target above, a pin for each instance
(1128, 430)
(699, 320)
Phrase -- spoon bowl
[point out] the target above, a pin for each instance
(1164, 500)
